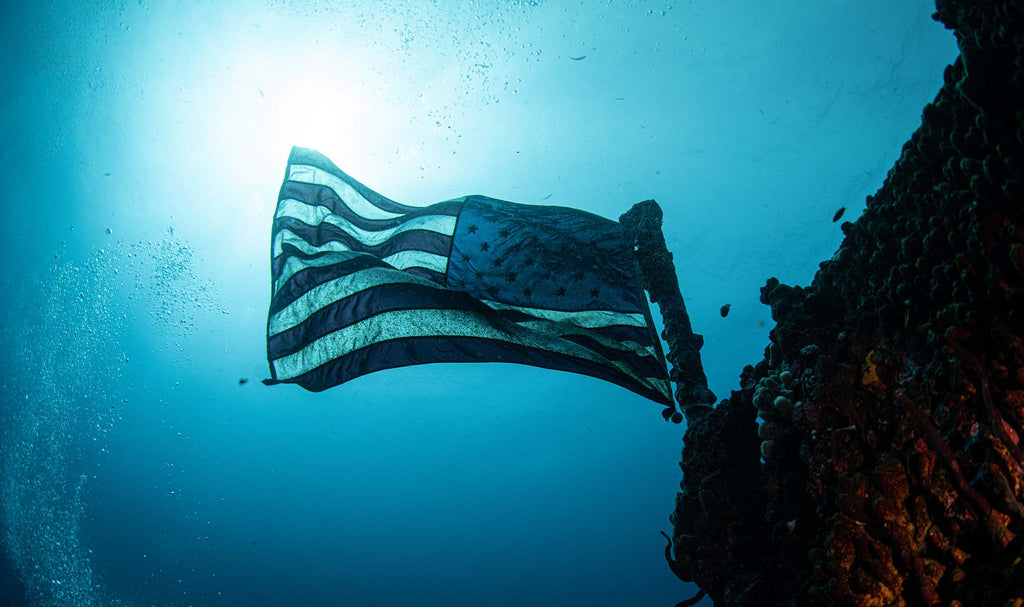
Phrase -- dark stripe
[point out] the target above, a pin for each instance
(365, 304)
(617, 332)
(431, 275)
(648, 366)
(288, 251)
(326, 197)
(391, 297)
(306, 279)
(421, 350)
(412, 240)
(314, 158)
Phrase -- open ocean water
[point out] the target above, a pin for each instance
(141, 460)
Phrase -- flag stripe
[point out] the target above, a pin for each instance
(323, 196)
(635, 357)
(401, 353)
(315, 215)
(344, 301)
(348, 195)
(640, 335)
(583, 318)
(404, 260)
(404, 324)
(421, 272)
(391, 252)
(359, 306)
(339, 283)
(317, 271)
(305, 156)
(308, 285)
(286, 289)
(314, 297)
(346, 286)
(324, 237)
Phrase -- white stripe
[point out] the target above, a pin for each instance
(360, 206)
(315, 215)
(589, 319)
(563, 328)
(338, 252)
(403, 260)
(400, 260)
(286, 236)
(295, 264)
(401, 324)
(334, 290)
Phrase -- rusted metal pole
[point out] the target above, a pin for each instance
(658, 277)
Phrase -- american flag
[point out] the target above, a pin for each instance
(361, 283)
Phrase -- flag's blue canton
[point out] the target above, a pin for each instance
(542, 257)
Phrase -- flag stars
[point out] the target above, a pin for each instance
(593, 292)
(560, 292)
(503, 232)
(528, 262)
(578, 275)
(498, 261)
(484, 246)
(472, 229)
(511, 277)
(465, 257)
(527, 291)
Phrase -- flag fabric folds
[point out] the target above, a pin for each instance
(362, 283)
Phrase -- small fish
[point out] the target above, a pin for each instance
(838, 214)
(243, 380)
(106, 174)
(545, 198)
(724, 310)
(261, 93)
(580, 58)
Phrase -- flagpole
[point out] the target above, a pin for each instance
(658, 277)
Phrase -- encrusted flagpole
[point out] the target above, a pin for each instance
(658, 277)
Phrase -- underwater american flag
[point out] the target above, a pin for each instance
(361, 283)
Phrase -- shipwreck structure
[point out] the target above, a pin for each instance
(887, 467)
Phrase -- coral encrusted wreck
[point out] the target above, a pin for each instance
(892, 393)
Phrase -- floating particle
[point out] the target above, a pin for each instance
(724, 310)
(242, 381)
(580, 58)
(838, 214)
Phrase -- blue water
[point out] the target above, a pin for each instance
(144, 144)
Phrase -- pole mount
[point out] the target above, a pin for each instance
(658, 278)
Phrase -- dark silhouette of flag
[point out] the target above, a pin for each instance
(362, 283)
